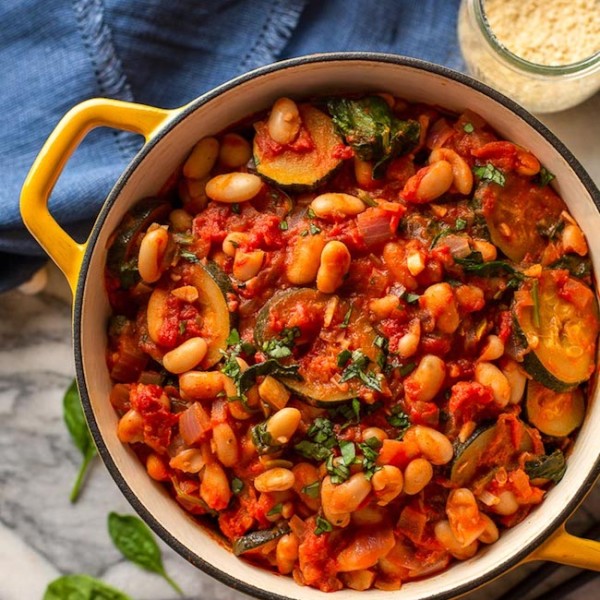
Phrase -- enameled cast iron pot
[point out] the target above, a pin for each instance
(170, 135)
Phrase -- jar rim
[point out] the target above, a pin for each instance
(576, 68)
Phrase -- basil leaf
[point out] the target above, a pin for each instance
(473, 263)
(468, 128)
(237, 485)
(312, 451)
(323, 526)
(489, 172)
(136, 543)
(189, 256)
(312, 489)
(81, 587)
(276, 510)
(80, 434)
(270, 367)
(348, 452)
(544, 177)
(357, 368)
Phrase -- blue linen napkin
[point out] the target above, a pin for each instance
(56, 54)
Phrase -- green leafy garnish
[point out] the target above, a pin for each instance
(282, 346)
(399, 419)
(276, 510)
(82, 587)
(262, 439)
(544, 177)
(80, 434)
(312, 451)
(551, 231)
(552, 467)
(314, 229)
(310, 213)
(370, 450)
(410, 297)
(235, 208)
(474, 263)
(576, 265)
(349, 411)
(490, 173)
(348, 452)
(237, 485)
(356, 367)
(337, 469)
(323, 526)
(468, 128)
(321, 440)
(370, 127)
(312, 489)
(367, 198)
(344, 324)
(407, 369)
(283, 226)
(136, 543)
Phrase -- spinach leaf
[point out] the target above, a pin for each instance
(370, 127)
(136, 543)
(81, 587)
(270, 367)
(312, 489)
(474, 263)
(356, 366)
(544, 177)
(262, 439)
(80, 434)
(552, 466)
(576, 265)
(399, 419)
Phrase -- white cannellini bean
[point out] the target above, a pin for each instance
(235, 151)
(423, 384)
(186, 356)
(246, 265)
(333, 205)
(335, 262)
(202, 159)
(517, 379)
(434, 445)
(491, 376)
(284, 121)
(493, 349)
(151, 254)
(231, 188)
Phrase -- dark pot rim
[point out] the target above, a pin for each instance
(138, 503)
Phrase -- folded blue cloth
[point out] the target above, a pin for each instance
(56, 54)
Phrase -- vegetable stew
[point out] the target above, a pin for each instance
(354, 334)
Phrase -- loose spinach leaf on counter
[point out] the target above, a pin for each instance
(80, 434)
(136, 543)
(370, 127)
(81, 587)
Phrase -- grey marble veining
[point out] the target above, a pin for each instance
(42, 535)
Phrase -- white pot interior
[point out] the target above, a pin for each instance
(231, 105)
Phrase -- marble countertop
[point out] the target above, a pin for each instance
(43, 536)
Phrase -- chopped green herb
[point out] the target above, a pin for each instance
(578, 266)
(551, 231)
(262, 439)
(189, 256)
(357, 368)
(312, 489)
(407, 368)
(370, 450)
(337, 469)
(343, 357)
(366, 198)
(304, 233)
(182, 327)
(410, 297)
(399, 419)
(474, 263)
(235, 208)
(283, 226)
(468, 128)
(490, 173)
(346, 320)
(312, 451)
(233, 338)
(552, 466)
(380, 342)
(310, 213)
(348, 452)
(276, 510)
(237, 485)
(323, 526)
(544, 177)
(183, 239)
(314, 229)
(321, 432)
(460, 224)
(349, 411)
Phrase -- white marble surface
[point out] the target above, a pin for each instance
(41, 534)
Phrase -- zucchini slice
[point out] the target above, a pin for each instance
(256, 539)
(559, 330)
(121, 259)
(305, 308)
(212, 304)
(473, 457)
(554, 413)
(299, 169)
(512, 211)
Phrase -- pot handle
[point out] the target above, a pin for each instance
(68, 134)
(567, 549)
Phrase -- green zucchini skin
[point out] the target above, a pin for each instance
(121, 258)
(556, 414)
(255, 539)
(464, 466)
(322, 394)
(300, 171)
(558, 350)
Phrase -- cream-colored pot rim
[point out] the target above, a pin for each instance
(305, 77)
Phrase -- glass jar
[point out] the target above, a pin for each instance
(539, 88)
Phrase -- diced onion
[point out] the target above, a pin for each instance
(194, 422)
(374, 225)
(458, 244)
